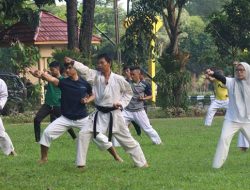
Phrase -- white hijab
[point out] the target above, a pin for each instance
(242, 92)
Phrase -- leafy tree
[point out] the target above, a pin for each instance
(170, 11)
(105, 3)
(172, 74)
(17, 10)
(136, 43)
(230, 28)
(200, 45)
(59, 11)
(204, 8)
(16, 58)
(104, 21)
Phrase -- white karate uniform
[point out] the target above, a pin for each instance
(228, 131)
(242, 141)
(232, 124)
(117, 90)
(5, 142)
(62, 124)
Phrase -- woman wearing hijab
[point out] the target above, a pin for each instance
(238, 113)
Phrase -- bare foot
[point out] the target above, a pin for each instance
(42, 161)
(145, 165)
(119, 159)
(13, 153)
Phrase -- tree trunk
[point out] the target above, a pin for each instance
(87, 27)
(172, 23)
(72, 24)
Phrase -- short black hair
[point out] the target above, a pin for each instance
(125, 67)
(55, 64)
(135, 68)
(219, 71)
(143, 71)
(106, 57)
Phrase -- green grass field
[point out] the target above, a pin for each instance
(183, 162)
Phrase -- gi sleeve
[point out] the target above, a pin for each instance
(3, 94)
(229, 83)
(126, 91)
(85, 72)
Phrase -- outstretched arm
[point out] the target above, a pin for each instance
(84, 71)
(216, 75)
(34, 72)
(210, 78)
(49, 78)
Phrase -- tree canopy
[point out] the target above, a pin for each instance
(230, 28)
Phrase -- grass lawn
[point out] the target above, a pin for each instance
(183, 162)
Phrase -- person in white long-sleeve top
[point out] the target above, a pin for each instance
(5, 142)
(238, 113)
(221, 101)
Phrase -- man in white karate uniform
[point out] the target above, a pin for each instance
(5, 142)
(135, 110)
(112, 93)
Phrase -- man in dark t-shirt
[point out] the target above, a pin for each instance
(76, 93)
(52, 105)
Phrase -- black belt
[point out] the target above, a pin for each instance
(104, 110)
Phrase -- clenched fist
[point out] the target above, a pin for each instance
(67, 60)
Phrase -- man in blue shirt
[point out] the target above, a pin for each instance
(52, 105)
(76, 93)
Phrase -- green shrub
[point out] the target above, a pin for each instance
(33, 97)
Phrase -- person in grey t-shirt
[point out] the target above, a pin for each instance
(135, 110)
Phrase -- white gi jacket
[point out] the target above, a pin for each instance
(3, 94)
(116, 90)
